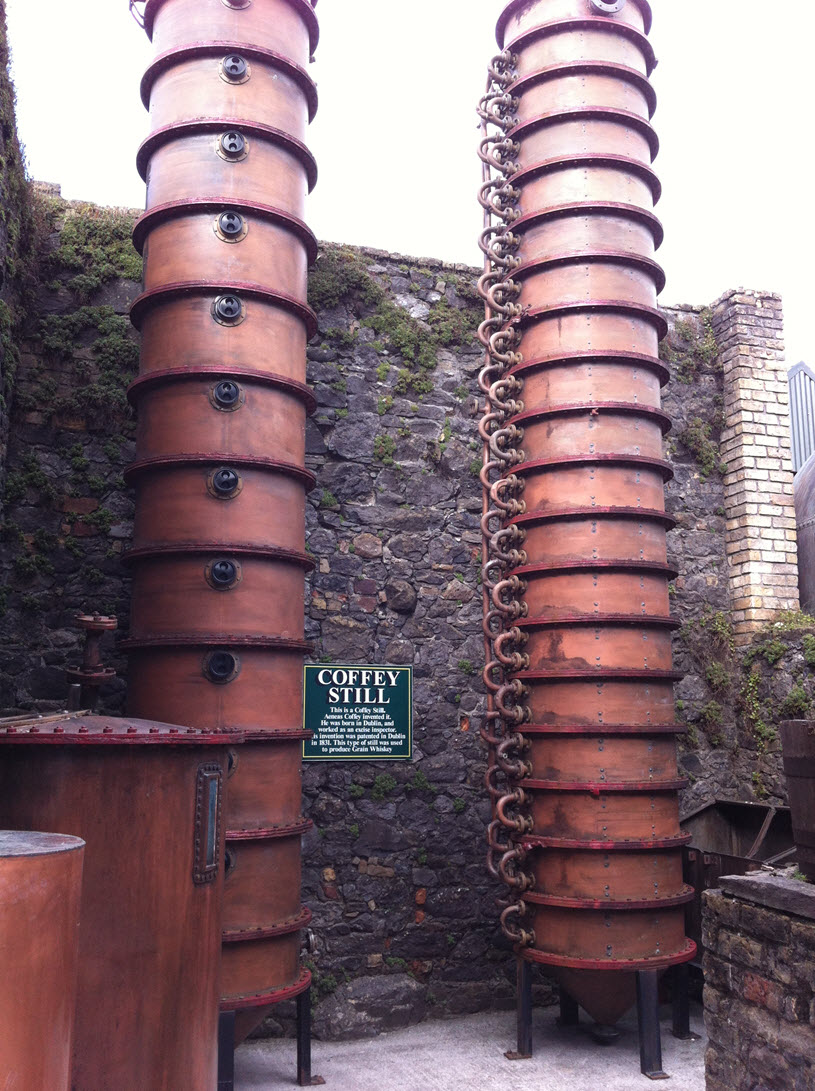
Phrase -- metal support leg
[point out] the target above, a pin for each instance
(523, 995)
(569, 1010)
(226, 1051)
(681, 1003)
(648, 1021)
(304, 1076)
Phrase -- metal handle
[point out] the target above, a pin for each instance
(137, 15)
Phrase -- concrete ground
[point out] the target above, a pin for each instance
(467, 1054)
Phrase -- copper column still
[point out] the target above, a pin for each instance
(219, 558)
(583, 767)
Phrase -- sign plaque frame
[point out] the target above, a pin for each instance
(357, 712)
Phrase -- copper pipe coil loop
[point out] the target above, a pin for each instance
(521, 936)
(510, 868)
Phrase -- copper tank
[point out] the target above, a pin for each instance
(581, 729)
(218, 557)
(146, 798)
(40, 886)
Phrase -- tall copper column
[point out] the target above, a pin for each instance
(583, 768)
(219, 557)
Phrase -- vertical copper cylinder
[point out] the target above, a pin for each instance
(604, 892)
(219, 558)
(40, 886)
(147, 800)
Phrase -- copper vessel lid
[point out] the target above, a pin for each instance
(87, 729)
(29, 843)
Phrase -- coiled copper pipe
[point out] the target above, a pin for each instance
(219, 558)
(583, 769)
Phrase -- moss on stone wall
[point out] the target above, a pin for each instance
(94, 248)
(19, 240)
(342, 276)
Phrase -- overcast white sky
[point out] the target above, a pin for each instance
(396, 132)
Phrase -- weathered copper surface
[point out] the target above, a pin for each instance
(181, 333)
(275, 170)
(179, 86)
(170, 676)
(40, 886)
(175, 416)
(189, 248)
(576, 577)
(175, 593)
(288, 27)
(149, 932)
(219, 558)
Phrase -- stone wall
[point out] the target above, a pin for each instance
(394, 868)
(67, 514)
(17, 244)
(759, 964)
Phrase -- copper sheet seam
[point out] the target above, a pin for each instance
(503, 639)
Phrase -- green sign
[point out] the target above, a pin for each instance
(357, 713)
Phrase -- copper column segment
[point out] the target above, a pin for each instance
(584, 770)
(40, 885)
(146, 798)
(219, 556)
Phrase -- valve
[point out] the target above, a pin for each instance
(224, 483)
(223, 574)
(221, 667)
(234, 67)
(226, 396)
(231, 226)
(232, 145)
(228, 310)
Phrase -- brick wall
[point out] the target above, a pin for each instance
(761, 536)
(759, 937)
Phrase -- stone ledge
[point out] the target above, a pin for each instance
(773, 891)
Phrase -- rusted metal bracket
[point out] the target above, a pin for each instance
(648, 1023)
(304, 1076)
(523, 996)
